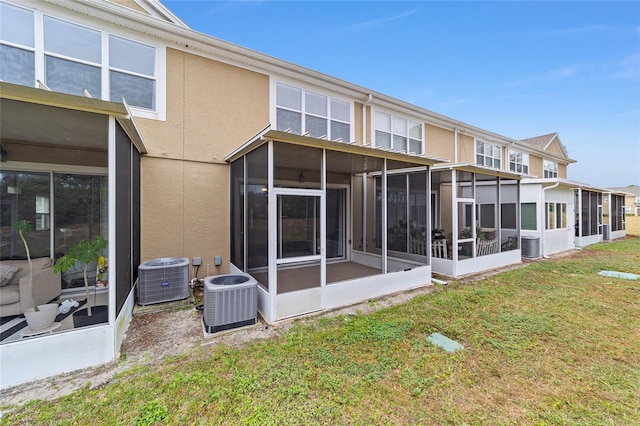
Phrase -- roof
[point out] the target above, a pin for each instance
(568, 183)
(543, 142)
(474, 168)
(23, 109)
(398, 159)
(540, 142)
(631, 189)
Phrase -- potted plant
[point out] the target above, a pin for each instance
(437, 234)
(39, 317)
(86, 252)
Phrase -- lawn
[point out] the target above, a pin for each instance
(550, 343)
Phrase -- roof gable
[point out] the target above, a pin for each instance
(549, 142)
(151, 8)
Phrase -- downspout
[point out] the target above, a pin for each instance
(544, 209)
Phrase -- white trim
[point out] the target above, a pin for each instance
(111, 205)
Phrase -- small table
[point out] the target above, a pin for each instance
(27, 332)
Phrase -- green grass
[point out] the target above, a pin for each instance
(552, 343)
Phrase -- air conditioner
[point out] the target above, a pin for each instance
(230, 301)
(163, 280)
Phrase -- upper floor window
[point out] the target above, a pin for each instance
(550, 169)
(518, 162)
(398, 134)
(488, 154)
(72, 58)
(304, 112)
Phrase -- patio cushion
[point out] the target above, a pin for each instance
(6, 273)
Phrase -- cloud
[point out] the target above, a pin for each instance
(373, 23)
(554, 74)
(627, 68)
(562, 73)
(585, 29)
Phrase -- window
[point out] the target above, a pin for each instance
(486, 215)
(72, 56)
(69, 57)
(556, 217)
(397, 133)
(550, 169)
(528, 216)
(131, 72)
(42, 213)
(518, 162)
(508, 216)
(304, 112)
(17, 45)
(488, 154)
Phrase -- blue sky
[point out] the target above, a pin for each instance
(519, 69)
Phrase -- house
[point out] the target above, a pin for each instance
(119, 120)
(631, 202)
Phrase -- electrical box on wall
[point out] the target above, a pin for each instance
(217, 260)
(197, 261)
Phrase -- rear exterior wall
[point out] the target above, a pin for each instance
(212, 109)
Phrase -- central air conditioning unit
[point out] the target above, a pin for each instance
(163, 280)
(230, 301)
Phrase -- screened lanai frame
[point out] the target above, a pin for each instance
(476, 220)
(280, 167)
(47, 132)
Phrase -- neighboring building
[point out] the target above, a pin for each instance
(119, 120)
(631, 198)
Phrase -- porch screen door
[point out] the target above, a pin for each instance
(299, 252)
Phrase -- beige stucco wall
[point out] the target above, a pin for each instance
(466, 149)
(213, 109)
(535, 166)
(439, 142)
(357, 128)
(562, 171)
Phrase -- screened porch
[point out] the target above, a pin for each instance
(70, 164)
(475, 219)
(309, 222)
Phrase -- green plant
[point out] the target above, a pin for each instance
(437, 234)
(24, 227)
(83, 251)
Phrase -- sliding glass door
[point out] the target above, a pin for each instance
(62, 209)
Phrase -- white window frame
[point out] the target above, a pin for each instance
(159, 113)
(303, 109)
(549, 169)
(518, 161)
(394, 130)
(559, 212)
(488, 159)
